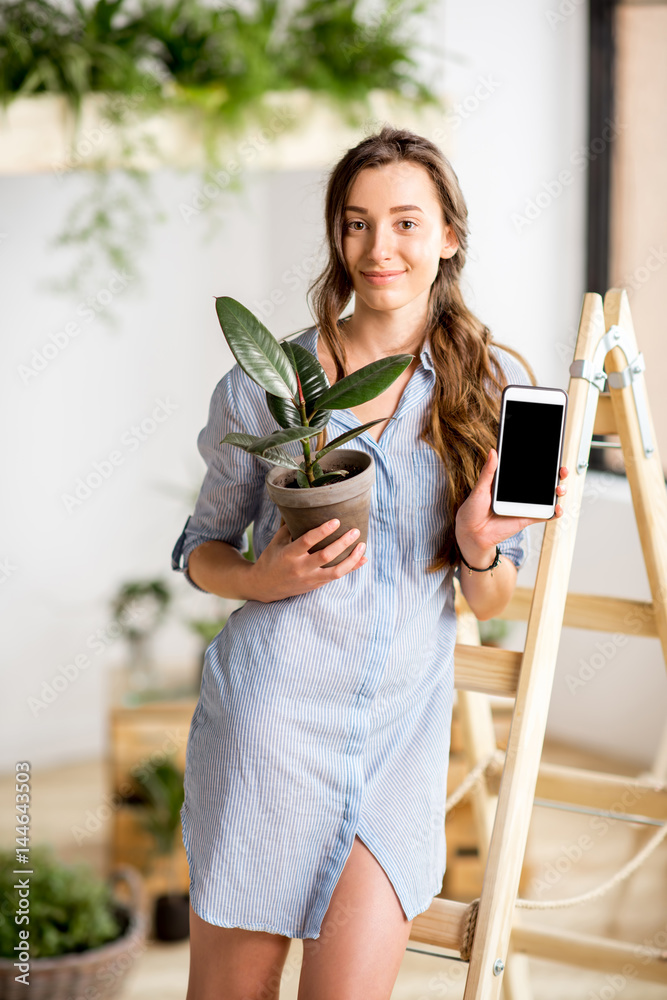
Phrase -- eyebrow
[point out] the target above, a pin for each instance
(396, 208)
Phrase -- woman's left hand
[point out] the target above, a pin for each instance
(479, 530)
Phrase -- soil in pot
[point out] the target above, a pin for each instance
(352, 471)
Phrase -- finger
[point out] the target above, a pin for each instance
(314, 535)
(347, 564)
(488, 470)
(339, 545)
(563, 472)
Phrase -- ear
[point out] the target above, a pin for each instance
(450, 244)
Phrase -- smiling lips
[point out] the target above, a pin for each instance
(381, 277)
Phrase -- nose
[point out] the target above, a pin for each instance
(380, 243)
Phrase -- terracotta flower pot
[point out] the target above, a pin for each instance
(349, 500)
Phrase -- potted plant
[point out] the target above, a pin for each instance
(330, 481)
(162, 796)
(138, 608)
(493, 631)
(81, 940)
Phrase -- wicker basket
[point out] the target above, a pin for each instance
(96, 974)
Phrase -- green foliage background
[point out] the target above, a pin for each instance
(214, 63)
(70, 906)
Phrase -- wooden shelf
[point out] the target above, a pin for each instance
(304, 131)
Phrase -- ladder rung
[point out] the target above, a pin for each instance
(613, 792)
(588, 952)
(601, 614)
(442, 925)
(604, 813)
(595, 790)
(605, 421)
(486, 669)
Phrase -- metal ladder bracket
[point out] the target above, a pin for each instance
(594, 373)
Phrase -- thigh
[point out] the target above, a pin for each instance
(229, 963)
(363, 937)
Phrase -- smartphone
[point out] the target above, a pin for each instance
(530, 449)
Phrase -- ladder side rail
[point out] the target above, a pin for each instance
(644, 472)
(517, 788)
(479, 742)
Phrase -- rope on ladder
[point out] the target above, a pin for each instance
(625, 872)
(468, 935)
(493, 763)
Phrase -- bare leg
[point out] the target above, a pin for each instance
(228, 963)
(363, 937)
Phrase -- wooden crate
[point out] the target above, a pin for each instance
(143, 737)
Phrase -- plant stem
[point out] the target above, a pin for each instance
(304, 421)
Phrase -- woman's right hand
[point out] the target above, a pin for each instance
(285, 568)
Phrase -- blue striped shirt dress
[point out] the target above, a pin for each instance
(327, 714)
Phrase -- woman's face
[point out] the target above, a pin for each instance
(393, 223)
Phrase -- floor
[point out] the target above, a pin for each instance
(635, 911)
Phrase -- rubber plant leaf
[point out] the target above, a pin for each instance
(348, 435)
(256, 349)
(313, 383)
(274, 456)
(364, 384)
(330, 477)
(281, 436)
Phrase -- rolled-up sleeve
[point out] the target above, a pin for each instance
(516, 548)
(231, 493)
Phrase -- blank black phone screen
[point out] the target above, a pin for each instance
(529, 459)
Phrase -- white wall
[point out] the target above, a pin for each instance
(526, 282)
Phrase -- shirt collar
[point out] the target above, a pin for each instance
(425, 354)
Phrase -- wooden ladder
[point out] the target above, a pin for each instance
(501, 940)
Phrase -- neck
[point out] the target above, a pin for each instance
(373, 333)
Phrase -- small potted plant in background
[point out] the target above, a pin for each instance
(329, 482)
(161, 798)
(139, 607)
(82, 939)
(493, 631)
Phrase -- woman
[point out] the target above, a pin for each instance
(317, 757)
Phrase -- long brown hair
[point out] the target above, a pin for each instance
(463, 424)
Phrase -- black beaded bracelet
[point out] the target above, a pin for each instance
(473, 569)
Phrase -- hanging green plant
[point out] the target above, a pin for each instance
(216, 65)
